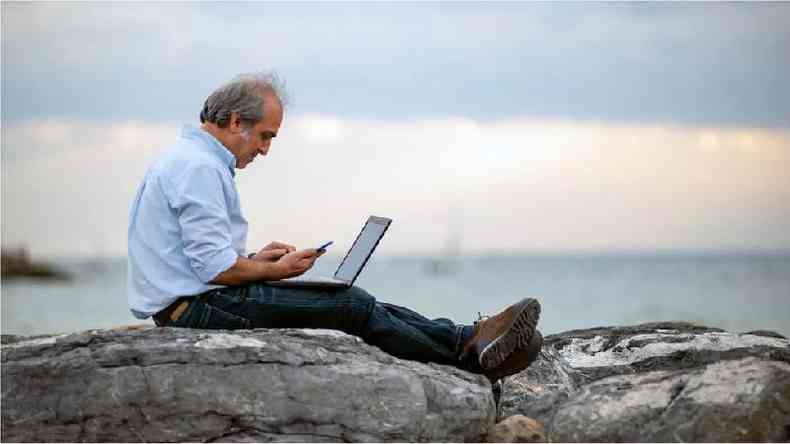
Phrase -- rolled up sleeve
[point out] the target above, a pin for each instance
(198, 197)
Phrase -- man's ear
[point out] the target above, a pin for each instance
(235, 123)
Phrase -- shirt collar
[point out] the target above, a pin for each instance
(214, 146)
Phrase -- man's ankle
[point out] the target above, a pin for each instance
(468, 361)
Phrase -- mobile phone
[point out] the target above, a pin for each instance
(324, 247)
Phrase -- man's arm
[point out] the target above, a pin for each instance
(199, 200)
(249, 270)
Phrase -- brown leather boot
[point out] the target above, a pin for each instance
(496, 337)
(520, 359)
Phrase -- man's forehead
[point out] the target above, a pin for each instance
(270, 99)
(271, 107)
(272, 116)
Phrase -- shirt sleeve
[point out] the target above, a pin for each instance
(198, 198)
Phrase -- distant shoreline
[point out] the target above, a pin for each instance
(16, 264)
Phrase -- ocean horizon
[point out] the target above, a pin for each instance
(737, 291)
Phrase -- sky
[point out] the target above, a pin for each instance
(498, 127)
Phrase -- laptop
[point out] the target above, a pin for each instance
(352, 263)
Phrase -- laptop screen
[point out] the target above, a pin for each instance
(363, 247)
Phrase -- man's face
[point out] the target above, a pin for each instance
(251, 141)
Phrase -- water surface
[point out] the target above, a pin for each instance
(734, 292)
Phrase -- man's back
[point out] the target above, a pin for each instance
(185, 223)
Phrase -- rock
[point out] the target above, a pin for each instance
(652, 382)
(176, 385)
(518, 428)
(657, 382)
(767, 333)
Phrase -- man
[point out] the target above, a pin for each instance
(188, 266)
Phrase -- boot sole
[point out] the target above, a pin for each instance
(517, 335)
(535, 348)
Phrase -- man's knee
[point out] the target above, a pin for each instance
(359, 297)
(361, 305)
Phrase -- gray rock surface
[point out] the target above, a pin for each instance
(169, 385)
(659, 382)
(653, 382)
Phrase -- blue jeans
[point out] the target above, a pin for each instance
(396, 330)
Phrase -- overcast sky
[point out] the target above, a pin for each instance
(537, 127)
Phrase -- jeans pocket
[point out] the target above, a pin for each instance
(213, 318)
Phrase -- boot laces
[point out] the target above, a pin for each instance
(480, 318)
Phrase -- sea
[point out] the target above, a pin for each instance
(735, 292)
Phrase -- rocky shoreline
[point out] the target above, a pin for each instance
(16, 263)
(652, 382)
(658, 382)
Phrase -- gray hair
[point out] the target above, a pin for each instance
(243, 95)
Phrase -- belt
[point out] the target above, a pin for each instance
(172, 312)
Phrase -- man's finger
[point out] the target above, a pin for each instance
(307, 263)
(272, 254)
(290, 248)
(307, 253)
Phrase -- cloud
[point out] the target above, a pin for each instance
(513, 184)
(67, 185)
(694, 65)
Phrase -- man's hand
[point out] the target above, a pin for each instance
(272, 263)
(273, 252)
(297, 262)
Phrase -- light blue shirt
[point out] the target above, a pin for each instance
(185, 224)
